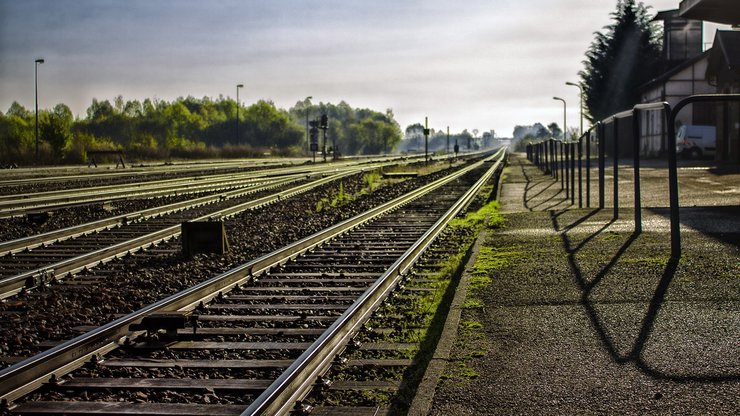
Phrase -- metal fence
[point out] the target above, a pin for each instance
(558, 158)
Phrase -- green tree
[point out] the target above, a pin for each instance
(619, 60)
(415, 136)
(355, 131)
(56, 129)
(554, 130)
(18, 110)
(16, 134)
(266, 126)
(99, 110)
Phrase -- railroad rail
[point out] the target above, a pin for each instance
(51, 237)
(66, 175)
(364, 253)
(20, 204)
(127, 233)
(56, 256)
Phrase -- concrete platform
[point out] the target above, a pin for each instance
(584, 316)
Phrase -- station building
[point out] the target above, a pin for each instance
(693, 70)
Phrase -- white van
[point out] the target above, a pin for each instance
(696, 141)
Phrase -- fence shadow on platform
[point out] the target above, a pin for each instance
(530, 194)
(720, 222)
(635, 353)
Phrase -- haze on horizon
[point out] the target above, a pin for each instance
(491, 64)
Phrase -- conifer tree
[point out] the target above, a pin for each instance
(619, 60)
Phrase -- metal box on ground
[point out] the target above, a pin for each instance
(204, 237)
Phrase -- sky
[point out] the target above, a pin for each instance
(473, 64)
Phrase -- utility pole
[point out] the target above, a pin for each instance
(36, 90)
(237, 112)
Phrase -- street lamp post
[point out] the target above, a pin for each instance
(580, 95)
(36, 91)
(237, 112)
(565, 128)
(563, 161)
(580, 147)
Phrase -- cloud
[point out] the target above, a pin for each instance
(481, 63)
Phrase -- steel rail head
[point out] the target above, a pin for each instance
(296, 380)
(23, 377)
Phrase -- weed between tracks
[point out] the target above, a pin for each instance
(333, 199)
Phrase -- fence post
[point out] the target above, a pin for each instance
(602, 162)
(616, 168)
(554, 154)
(562, 168)
(573, 172)
(588, 168)
(636, 167)
(566, 147)
(580, 173)
(673, 182)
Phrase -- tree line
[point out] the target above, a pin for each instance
(438, 139)
(187, 128)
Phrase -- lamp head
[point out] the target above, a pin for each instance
(40, 61)
(239, 85)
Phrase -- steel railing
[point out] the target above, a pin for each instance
(544, 155)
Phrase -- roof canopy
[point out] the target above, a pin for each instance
(718, 11)
(725, 54)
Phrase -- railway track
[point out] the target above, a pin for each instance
(18, 204)
(271, 325)
(52, 177)
(37, 260)
(78, 177)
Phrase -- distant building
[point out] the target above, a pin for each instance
(685, 76)
(723, 73)
(691, 71)
(723, 69)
